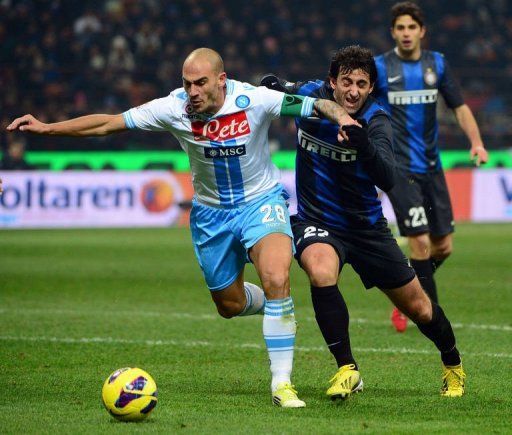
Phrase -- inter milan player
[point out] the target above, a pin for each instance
(409, 82)
(239, 210)
(339, 218)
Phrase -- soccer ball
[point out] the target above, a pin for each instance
(129, 394)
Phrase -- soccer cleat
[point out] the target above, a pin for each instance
(399, 320)
(285, 396)
(453, 381)
(346, 381)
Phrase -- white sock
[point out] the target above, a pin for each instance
(279, 332)
(255, 300)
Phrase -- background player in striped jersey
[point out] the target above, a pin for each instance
(409, 82)
(339, 218)
(239, 210)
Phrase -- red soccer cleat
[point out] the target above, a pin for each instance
(399, 320)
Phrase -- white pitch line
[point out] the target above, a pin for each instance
(195, 343)
(194, 316)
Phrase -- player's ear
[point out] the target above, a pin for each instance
(222, 79)
(423, 30)
(332, 82)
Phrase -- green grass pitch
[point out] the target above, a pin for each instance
(77, 304)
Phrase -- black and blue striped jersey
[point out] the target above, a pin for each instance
(336, 181)
(409, 91)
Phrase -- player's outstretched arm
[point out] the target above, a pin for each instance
(89, 125)
(468, 124)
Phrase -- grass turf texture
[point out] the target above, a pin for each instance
(78, 304)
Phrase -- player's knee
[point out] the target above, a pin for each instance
(229, 308)
(420, 246)
(321, 264)
(275, 282)
(420, 310)
(322, 275)
(443, 250)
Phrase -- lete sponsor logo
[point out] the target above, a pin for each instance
(222, 129)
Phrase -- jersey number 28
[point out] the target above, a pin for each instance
(273, 213)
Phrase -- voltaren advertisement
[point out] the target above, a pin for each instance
(90, 199)
(160, 198)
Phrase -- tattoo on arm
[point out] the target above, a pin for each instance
(329, 110)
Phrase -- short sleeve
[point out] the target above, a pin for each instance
(271, 100)
(155, 115)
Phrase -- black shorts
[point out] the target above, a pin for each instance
(373, 253)
(422, 204)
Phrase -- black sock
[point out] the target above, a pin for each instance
(425, 274)
(331, 314)
(440, 331)
(436, 264)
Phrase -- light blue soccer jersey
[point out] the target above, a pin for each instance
(228, 152)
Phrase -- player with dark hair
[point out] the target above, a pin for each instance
(239, 210)
(409, 82)
(339, 217)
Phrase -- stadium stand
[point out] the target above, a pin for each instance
(63, 58)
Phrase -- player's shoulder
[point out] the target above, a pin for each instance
(383, 56)
(432, 53)
(433, 57)
(245, 94)
(311, 88)
(373, 108)
(235, 87)
(176, 98)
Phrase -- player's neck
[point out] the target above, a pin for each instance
(411, 55)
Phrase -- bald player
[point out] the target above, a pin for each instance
(239, 211)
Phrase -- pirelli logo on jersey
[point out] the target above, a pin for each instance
(222, 152)
(222, 129)
(333, 152)
(424, 96)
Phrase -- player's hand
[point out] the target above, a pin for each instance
(1, 188)
(27, 123)
(479, 154)
(357, 134)
(346, 122)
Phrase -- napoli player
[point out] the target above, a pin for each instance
(239, 210)
(409, 82)
(339, 218)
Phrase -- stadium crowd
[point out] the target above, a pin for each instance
(63, 58)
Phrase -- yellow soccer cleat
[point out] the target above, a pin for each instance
(346, 381)
(285, 396)
(453, 381)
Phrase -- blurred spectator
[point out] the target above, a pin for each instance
(61, 58)
(13, 158)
